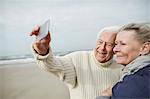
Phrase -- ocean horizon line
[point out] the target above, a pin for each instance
(14, 57)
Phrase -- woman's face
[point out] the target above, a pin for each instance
(127, 48)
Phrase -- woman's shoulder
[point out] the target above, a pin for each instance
(141, 75)
(134, 83)
(145, 71)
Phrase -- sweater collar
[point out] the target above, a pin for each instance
(106, 64)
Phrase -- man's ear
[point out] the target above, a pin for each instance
(145, 49)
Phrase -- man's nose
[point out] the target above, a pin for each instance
(103, 46)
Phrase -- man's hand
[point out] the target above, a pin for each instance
(41, 46)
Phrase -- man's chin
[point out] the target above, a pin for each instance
(101, 55)
(102, 60)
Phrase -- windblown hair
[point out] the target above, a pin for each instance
(142, 31)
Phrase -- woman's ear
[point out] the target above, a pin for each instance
(145, 49)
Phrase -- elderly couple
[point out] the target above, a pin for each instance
(97, 73)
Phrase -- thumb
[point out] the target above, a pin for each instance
(35, 31)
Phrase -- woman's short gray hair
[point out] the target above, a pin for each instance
(113, 29)
(142, 31)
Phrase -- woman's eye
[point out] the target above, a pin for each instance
(122, 43)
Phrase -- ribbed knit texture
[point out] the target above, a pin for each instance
(86, 77)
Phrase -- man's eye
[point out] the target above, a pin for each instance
(100, 42)
(111, 45)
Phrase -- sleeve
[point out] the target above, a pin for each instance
(61, 66)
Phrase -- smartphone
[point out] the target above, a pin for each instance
(44, 28)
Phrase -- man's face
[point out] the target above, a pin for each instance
(104, 46)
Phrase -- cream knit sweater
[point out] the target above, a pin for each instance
(80, 70)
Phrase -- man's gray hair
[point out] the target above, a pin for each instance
(113, 29)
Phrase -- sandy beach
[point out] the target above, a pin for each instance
(25, 80)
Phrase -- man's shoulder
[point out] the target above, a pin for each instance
(81, 52)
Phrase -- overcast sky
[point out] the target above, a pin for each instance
(74, 23)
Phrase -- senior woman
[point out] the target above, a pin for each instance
(132, 50)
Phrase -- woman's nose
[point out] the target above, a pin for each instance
(116, 49)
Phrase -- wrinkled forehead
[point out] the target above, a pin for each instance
(107, 36)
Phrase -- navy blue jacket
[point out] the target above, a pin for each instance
(135, 86)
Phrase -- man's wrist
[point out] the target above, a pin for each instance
(42, 54)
